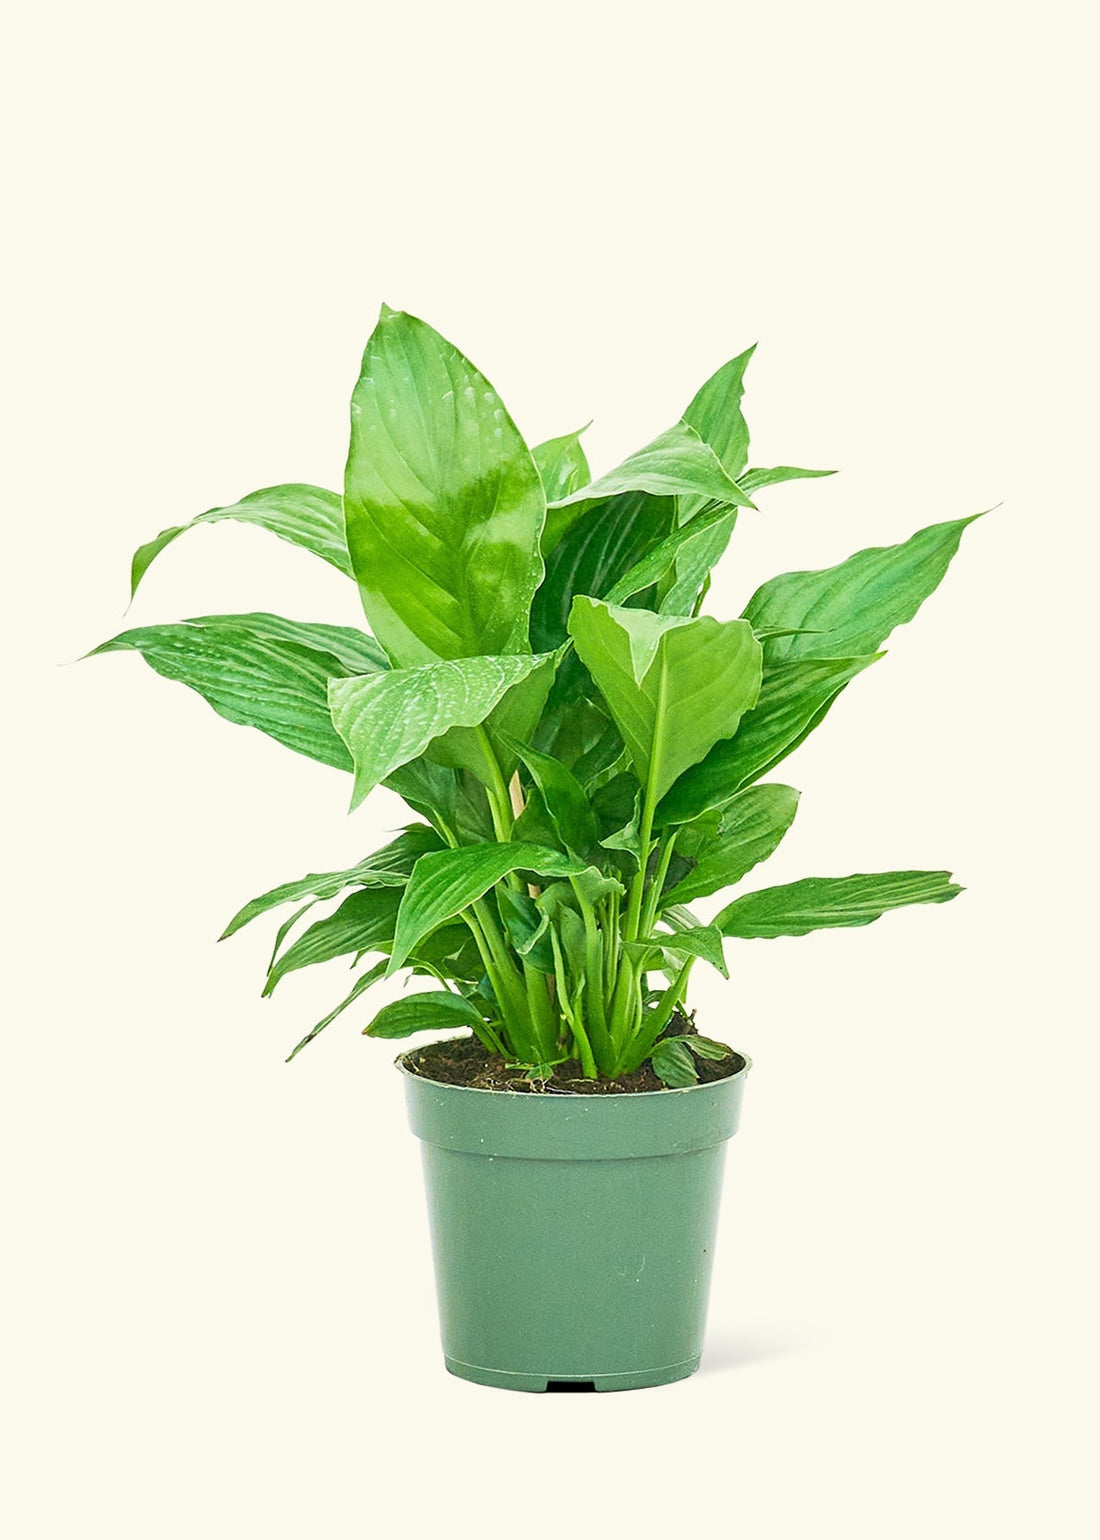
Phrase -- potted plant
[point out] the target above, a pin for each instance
(587, 756)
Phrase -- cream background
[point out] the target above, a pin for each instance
(220, 1318)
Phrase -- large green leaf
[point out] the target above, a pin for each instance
(677, 463)
(609, 539)
(304, 515)
(434, 1010)
(750, 828)
(256, 670)
(444, 884)
(853, 607)
(674, 686)
(364, 922)
(386, 868)
(388, 719)
(562, 464)
(794, 698)
(442, 500)
(819, 903)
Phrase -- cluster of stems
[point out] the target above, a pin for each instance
(594, 1008)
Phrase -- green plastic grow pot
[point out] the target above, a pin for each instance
(573, 1235)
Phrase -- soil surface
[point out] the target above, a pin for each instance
(466, 1062)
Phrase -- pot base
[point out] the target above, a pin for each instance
(640, 1379)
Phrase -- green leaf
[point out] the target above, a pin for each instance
(526, 925)
(680, 552)
(357, 650)
(435, 1010)
(707, 1048)
(563, 797)
(758, 477)
(674, 686)
(443, 502)
(388, 719)
(752, 825)
(677, 463)
(610, 538)
(793, 700)
(386, 868)
(702, 941)
(672, 1062)
(361, 985)
(251, 675)
(306, 516)
(447, 882)
(562, 464)
(364, 922)
(515, 717)
(852, 608)
(715, 413)
(818, 903)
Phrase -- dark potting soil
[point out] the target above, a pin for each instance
(466, 1062)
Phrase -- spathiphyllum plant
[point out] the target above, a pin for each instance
(585, 751)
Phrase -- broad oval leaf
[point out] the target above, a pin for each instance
(819, 903)
(304, 515)
(852, 608)
(434, 1010)
(793, 699)
(388, 719)
(447, 882)
(674, 686)
(273, 677)
(751, 827)
(443, 503)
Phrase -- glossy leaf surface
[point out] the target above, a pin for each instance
(819, 903)
(364, 922)
(444, 884)
(388, 719)
(435, 1010)
(442, 500)
(252, 674)
(853, 607)
(562, 465)
(793, 700)
(306, 516)
(750, 828)
(386, 868)
(677, 463)
(674, 686)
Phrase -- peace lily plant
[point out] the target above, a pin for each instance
(585, 751)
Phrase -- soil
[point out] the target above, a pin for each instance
(466, 1062)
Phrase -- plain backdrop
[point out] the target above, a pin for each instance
(219, 1316)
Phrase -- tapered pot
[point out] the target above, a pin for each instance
(573, 1235)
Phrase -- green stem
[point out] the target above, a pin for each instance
(658, 884)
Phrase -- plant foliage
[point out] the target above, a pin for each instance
(585, 749)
